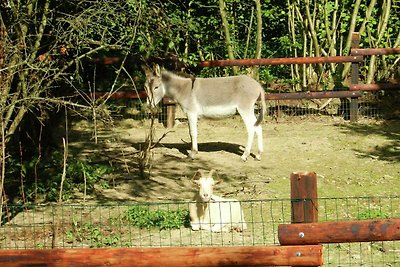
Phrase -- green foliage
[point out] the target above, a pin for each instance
(371, 214)
(143, 217)
(92, 234)
(42, 177)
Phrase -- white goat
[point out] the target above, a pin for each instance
(214, 213)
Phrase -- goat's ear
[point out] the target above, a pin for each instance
(196, 177)
(211, 173)
(198, 174)
(196, 182)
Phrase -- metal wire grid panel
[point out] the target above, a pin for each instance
(167, 225)
(369, 106)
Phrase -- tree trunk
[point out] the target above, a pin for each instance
(228, 39)
(259, 38)
(386, 5)
(352, 27)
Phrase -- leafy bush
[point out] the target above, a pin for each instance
(42, 177)
(143, 217)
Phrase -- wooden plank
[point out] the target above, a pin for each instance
(303, 194)
(339, 232)
(355, 41)
(375, 87)
(280, 61)
(312, 95)
(298, 95)
(184, 256)
(374, 51)
(121, 95)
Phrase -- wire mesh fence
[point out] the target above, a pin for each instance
(167, 224)
(371, 105)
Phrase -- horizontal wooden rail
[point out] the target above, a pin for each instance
(183, 256)
(339, 232)
(280, 61)
(312, 95)
(121, 95)
(375, 86)
(374, 51)
(270, 96)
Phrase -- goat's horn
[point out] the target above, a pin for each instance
(197, 173)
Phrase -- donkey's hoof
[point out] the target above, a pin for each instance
(244, 158)
(258, 157)
(192, 155)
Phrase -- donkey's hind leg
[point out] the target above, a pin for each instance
(258, 130)
(249, 120)
(192, 119)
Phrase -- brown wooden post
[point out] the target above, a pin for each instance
(171, 110)
(303, 194)
(355, 42)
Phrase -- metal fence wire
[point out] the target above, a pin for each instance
(372, 105)
(167, 224)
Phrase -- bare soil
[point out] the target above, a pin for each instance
(360, 159)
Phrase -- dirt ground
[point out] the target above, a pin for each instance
(361, 159)
(358, 169)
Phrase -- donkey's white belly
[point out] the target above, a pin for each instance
(217, 111)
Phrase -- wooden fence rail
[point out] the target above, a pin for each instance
(174, 257)
(339, 232)
(357, 56)
(300, 242)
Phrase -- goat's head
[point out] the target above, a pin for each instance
(206, 185)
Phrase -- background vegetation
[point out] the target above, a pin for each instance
(51, 55)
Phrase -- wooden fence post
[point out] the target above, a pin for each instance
(303, 194)
(355, 42)
(171, 111)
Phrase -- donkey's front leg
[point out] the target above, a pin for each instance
(192, 118)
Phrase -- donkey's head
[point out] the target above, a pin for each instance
(154, 87)
(206, 185)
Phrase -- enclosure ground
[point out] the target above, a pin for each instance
(358, 168)
(360, 159)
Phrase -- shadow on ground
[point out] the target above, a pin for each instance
(388, 129)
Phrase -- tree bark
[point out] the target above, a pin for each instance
(352, 27)
(228, 39)
(386, 6)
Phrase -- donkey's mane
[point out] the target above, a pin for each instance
(167, 74)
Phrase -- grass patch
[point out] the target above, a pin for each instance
(143, 217)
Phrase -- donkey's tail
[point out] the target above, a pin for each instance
(263, 108)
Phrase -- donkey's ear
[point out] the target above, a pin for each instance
(147, 71)
(157, 70)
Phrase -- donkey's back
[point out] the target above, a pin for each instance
(222, 96)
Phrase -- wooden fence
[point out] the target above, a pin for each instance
(356, 90)
(300, 242)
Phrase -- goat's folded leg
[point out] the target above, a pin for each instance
(195, 226)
